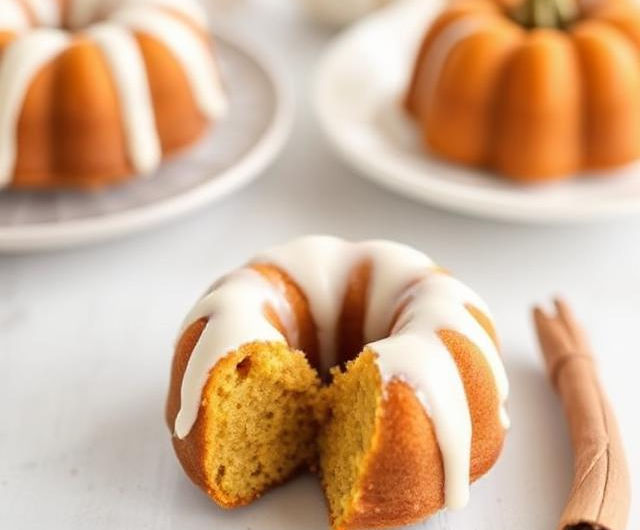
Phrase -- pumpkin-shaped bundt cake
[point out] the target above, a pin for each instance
(536, 90)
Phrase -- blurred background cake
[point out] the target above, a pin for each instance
(93, 92)
(536, 90)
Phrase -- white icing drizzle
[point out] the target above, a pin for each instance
(416, 353)
(47, 12)
(402, 279)
(189, 48)
(322, 278)
(123, 55)
(402, 264)
(236, 312)
(21, 61)
(439, 388)
(14, 17)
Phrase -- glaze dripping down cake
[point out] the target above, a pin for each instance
(95, 91)
(363, 360)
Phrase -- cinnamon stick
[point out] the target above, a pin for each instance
(601, 492)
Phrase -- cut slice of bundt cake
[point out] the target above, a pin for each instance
(256, 425)
(380, 460)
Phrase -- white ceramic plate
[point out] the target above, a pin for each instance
(234, 153)
(357, 90)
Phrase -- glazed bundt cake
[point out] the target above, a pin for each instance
(95, 91)
(414, 410)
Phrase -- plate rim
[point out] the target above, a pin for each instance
(39, 237)
(334, 125)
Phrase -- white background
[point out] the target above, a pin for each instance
(86, 337)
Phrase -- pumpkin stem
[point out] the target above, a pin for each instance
(557, 14)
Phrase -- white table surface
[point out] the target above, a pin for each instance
(86, 338)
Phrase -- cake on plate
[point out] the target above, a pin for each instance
(93, 92)
(535, 90)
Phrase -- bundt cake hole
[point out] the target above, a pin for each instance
(262, 427)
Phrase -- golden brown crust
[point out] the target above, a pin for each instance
(307, 337)
(413, 100)
(88, 138)
(61, 143)
(534, 104)
(191, 450)
(403, 476)
(482, 397)
(351, 323)
(403, 479)
(178, 119)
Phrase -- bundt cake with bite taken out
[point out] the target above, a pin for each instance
(93, 92)
(365, 361)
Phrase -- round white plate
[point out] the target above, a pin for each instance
(235, 152)
(358, 86)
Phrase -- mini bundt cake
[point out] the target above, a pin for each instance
(535, 90)
(95, 91)
(414, 410)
